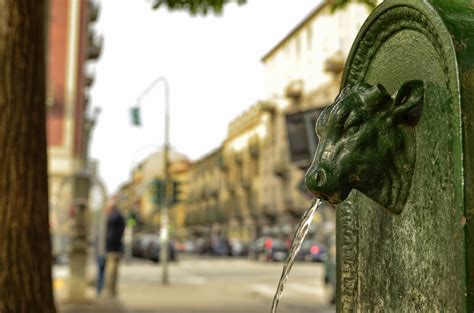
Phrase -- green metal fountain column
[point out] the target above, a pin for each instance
(396, 155)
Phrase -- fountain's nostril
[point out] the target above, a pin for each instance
(320, 177)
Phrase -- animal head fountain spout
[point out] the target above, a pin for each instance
(367, 142)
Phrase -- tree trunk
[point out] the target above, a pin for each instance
(25, 248)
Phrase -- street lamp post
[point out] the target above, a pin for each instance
(164, 219)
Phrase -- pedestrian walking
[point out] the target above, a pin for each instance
(99, 244)
(114, 249)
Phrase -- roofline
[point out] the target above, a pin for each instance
(295, 29)
(209, 154)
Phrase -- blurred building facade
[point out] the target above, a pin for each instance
(252, 185)
(72, 43)
(306, 59)
(302, 75)
(136, 197)
(204, 207)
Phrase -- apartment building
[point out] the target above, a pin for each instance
(72, 43)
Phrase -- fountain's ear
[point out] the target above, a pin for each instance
(375, 95)
(408, 103)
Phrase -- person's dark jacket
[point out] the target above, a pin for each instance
(115, 229)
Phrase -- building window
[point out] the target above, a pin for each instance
(309, 37)
(298, 48)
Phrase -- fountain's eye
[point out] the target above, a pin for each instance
(353, 129)
(352, 124)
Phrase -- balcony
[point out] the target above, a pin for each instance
(94, 46)
(222, 164)
(205, 193)
(254, 147)
(214, 193)
(190, 197)
(294, 90)
(238, 158)
(190, 218)
(245, 183)
(254, 204)
(94, 10)
(86, 100)
(335, 63)
(232, 208)
(296, 213)
(211, 215)
(267, 106)
(89, 79)
(281, 168)
(237, 214)
(231, 187)
(270, 215)
(201, 216)
(222, 216)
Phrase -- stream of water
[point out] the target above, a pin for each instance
(300, 234)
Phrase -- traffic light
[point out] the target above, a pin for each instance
(135, 112)
(176, 192)
(158, 191)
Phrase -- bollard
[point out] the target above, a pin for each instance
(396, 156)
(78, 253)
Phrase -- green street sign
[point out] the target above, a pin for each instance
(135, 114)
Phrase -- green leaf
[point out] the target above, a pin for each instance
(196, 7)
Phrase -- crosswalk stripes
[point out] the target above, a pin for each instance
(303, 288)
(184, 280)
(264, 290)
(291, 290)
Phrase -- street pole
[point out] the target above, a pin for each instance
(164, 234)
(164, 219)
(81, 189)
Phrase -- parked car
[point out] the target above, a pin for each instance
(268, 249)
(189, 246)
(201, 245)
(311, 251)
(220, 247)
(214, 246)
(153, 250)
(180, 246)
(238, 248)
(140, 245)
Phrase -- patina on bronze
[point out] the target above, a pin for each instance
(418, 164)
(367, 142)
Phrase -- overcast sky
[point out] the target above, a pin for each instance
(212, 64)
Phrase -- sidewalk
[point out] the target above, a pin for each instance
(180, 299)
(93, 306)
(202, 286)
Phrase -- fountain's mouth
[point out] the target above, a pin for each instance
(333, 198)
(322, 197)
